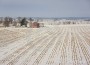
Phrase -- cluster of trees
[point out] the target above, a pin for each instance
(7, 21)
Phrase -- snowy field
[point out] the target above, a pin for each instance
(49, 45)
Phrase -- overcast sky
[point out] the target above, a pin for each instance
(45, 8)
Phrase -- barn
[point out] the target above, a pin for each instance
(35, 25)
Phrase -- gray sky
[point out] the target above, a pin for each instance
(45, 8)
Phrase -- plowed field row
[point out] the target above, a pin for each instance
(52, 45)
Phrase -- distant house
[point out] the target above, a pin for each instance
(35, 25)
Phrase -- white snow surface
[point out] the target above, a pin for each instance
(50, 45)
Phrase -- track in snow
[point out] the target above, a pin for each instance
(56, 45)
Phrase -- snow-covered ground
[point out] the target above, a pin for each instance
(49, 45)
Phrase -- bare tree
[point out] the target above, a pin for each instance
(30, 23)
(6, 22)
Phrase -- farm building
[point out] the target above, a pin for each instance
(35, 25)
